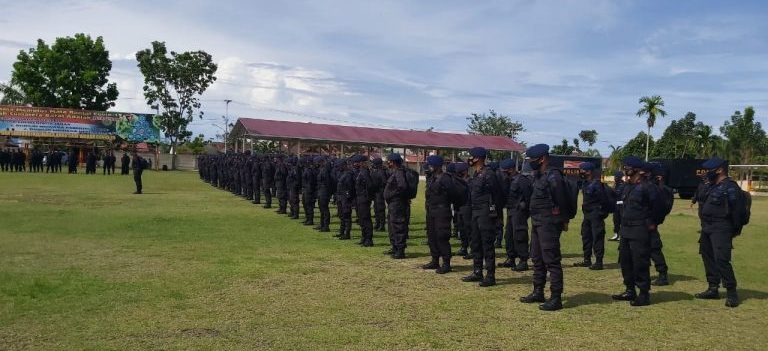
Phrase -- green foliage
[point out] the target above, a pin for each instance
(588, 136)
(634, 147)
(651, 108)
(687, 138)
(12, 95)
(265, 146)
(72, 73)
(746, 137)
(494, 124)
(563, 149)
(174, 81)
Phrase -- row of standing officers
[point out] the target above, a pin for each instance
(471, 196)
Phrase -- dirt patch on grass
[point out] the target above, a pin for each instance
(200, 332)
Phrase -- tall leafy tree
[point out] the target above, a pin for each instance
(564, 148)
(173, 82)
(12, 95)
(651, 107)
(495, 124)
(71, 73)
(746, 137)
(588, 136)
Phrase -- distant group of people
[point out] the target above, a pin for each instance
(53, 161)
(471, 196)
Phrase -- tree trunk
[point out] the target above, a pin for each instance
(647, 143)
(173, 155)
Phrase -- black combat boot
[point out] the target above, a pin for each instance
(627, 295)
(369, 243)
(537, 295)
(508, 263)
(732, 298)
(309, 222)
(476, 276)
(586, 263)
(554, 303)
(489, 280)
(325, 230)
(710, 294)
(598, 266)
(522, 266)
(434, 264)
(446, 267)
(643, 299)
(462, 252)
(398, 255)
(346, 235)
(661, 280)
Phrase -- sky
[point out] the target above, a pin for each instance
(557, 66)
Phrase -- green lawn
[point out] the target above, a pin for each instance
(86, 265)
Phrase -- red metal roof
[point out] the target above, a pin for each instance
(374, 136)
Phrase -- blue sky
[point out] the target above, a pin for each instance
(557, 66)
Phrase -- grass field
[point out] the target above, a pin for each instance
(86, 265)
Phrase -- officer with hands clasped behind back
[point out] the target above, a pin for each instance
(593, 224)
(724, 212)
(549, 201)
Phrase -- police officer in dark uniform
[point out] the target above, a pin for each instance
(293, 180)
(257, 183)
(324, 190)
(667, 198)
(464, 211)
(593, 224)
(439, 216)
(548, 201)
(267, 180)
(363, 197)
(281, 188)
(639, 218)
(503, 180)
(516, 233)
(486, 202)
(345, 198)
(309, 190)
(723, 214)
(396, 195)
(379, 176)
(618, 189)
(138, 168)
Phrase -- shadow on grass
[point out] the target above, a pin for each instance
(669, 296)
(587, 298)
(673, 278)
(747, 294)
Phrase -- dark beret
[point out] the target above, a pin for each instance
(587, 166)
(537, 151)
(478, 152)
(713, 163)
(435, 161)
(461, 167)
(618, 174)
(451, 168)
(633, 161)
(656, 169)
(395, 157)
(357, 158)
(377, 161)
(494, 166)
(507, 164)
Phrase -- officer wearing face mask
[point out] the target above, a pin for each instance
(548, 222)
(723, 214)
(640, 217)
(593, 224)
(618, 188)
(516, 233)
(486, 203)
(667, 199)
(439, 215)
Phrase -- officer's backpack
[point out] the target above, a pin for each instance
(742, 216)
(458, 191)
(144, 163)
(667, 201)
(571, 195)
(412, 182)
(608, 200)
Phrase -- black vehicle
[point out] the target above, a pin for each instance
(683, 175)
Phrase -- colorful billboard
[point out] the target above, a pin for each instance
(40, 122)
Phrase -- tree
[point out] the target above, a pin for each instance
(563, 148)
(746, 137)
(651, 107)
(588, 136)
(494, 124)
(633, 147)
(12, 95)
(174, 83)
(72, 73)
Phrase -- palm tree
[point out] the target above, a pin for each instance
(651, 107)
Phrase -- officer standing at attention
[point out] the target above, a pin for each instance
(439, 216)
(723, 215)
(379, 177)
(486, 203)
(593, 224)
(516, 233)
(363, 197)
(281, 187)
(395, 193)
(548, 201)
(267, 180)
(639, 219)
(309, 190)
(345, 197)
(323, 193)
(256, 174)
(138, 168)
(667, 199)
(293, 181)
(464, 211)
(618, 189)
